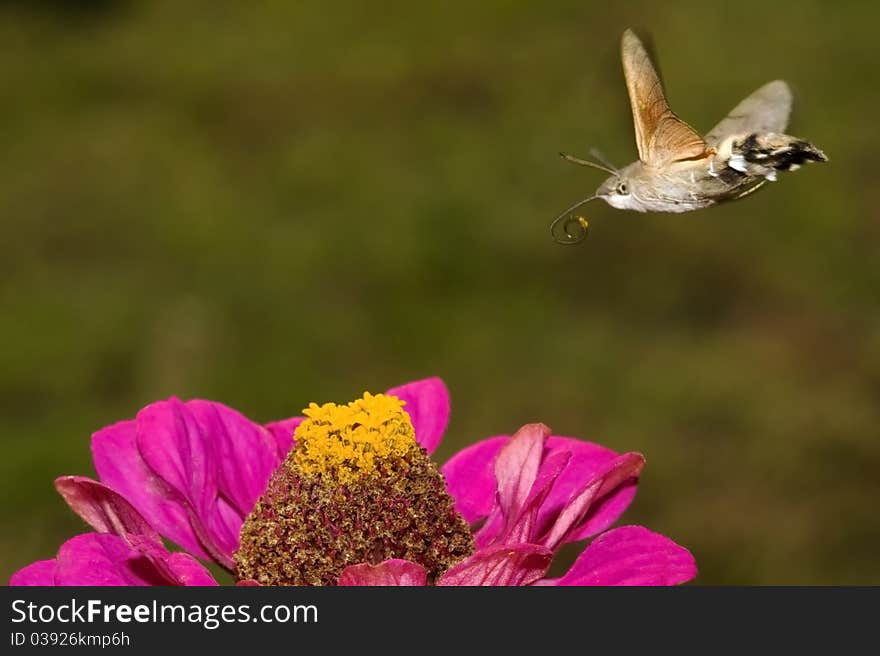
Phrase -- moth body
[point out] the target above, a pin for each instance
(740, 165)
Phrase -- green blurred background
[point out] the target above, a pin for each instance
(301, 201)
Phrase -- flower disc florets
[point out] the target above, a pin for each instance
(355, 488)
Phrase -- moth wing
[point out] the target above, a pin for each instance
(766, 110)
(661, 136)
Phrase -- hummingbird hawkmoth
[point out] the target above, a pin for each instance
(678, 170)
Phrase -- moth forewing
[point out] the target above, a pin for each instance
(661, 137)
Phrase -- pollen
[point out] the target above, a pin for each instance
(347, 442)
(355, 488)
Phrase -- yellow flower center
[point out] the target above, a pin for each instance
(345, 442)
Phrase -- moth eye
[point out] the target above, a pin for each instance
(622, 189)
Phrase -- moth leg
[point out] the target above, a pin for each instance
(712, 170)
(751, 190)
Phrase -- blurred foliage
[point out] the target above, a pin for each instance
(290, 202)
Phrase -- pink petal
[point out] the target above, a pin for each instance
(427, 402)
(103, 509)
(174, 446)
(246, 456)
(189, 571)
(470, 477)
(631, 555)
(520, 525)
(524, 477)
(604, 512)
(517, 465)
(175, 568)
(194, 471)
(105, 559)
(575, 513)
(283, 432)
(395, 572)
(120, 466)
(41, 572)
(576, 508)
(587, 462)
(225, 523)
(501, 565)
(247, 453)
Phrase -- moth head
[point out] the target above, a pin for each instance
(617, 191)
(615, 186)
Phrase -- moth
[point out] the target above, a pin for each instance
(678, 170)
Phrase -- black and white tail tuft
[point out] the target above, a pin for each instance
(765, 154)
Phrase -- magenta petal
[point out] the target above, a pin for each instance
(576, 508)
(102, 508)
(283, 432)
(470, 477)
(521, 526)
(427, 402)
(501, 565)
(247, 452)
(173, 444)
(604, 512)
(631, 555)
(587, 462)
(576, 513)
(120, 466)
(194, 471)
(106, 559)
(517, 466)
(172, 568)
(41, 572)
(396, 572)
(189, 571)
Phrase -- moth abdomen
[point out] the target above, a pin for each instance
(764, 154)
(778, 151)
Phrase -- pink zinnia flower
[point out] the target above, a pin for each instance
(356, 501)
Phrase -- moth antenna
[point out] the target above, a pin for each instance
(561, 228)
(597, 155)
(584, 162)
